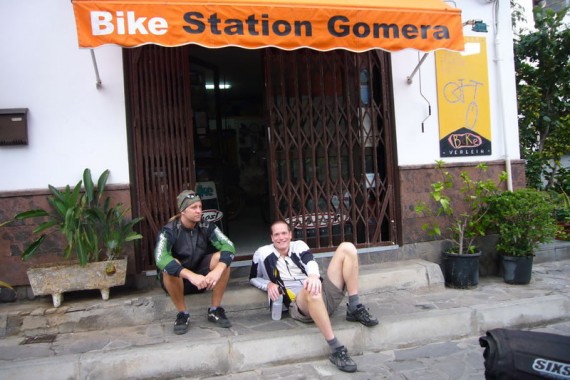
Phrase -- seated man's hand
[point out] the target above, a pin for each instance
(313, 285)
(212, 278)
(273, 291)
(199, 281)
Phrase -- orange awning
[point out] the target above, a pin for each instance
(356, 25)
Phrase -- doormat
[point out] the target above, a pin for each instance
(46, 338)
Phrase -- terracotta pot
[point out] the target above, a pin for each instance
(59, 279)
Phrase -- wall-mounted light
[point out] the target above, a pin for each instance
(476, 25)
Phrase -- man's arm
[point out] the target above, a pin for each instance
(257, 277)
(163, 255)
(223, 244)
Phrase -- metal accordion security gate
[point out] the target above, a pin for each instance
(330, 132)
(160, 136)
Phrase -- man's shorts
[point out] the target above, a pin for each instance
(202, 268)
(331, 295)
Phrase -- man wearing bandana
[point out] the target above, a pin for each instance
(193, 256)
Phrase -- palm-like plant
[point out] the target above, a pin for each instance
(87, 223)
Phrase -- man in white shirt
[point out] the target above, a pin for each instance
(288, 267)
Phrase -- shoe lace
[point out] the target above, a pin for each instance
(362, 313)
(342, 356)
(180, 319)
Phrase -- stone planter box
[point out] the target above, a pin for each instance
(57, 280)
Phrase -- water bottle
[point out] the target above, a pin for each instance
(277, 308)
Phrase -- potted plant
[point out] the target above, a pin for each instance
(462, 201)
(523, 218)
(95, 233)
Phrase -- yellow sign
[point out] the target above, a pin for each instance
(463, 100)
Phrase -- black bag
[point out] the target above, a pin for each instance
(514, 354)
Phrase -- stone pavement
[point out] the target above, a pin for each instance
(130, 336)
(452, 360)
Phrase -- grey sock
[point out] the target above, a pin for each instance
(353, 302)
(334, 344)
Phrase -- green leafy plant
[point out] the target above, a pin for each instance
(561, 202)
(88, 223)
(542, 77)
(114, 228)
(465, 212)
(523, 218)
(562, 207)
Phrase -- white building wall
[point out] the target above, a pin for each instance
(416, 147)
(71, 124)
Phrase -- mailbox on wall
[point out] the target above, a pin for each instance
(14, 126)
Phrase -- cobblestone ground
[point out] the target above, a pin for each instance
(454, 360)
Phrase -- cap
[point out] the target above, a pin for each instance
(186, 198)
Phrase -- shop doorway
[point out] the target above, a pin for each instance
(303, 136)
(230, 140)
(195, 119)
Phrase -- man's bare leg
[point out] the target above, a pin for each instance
(343, 268)
(175, 288)
(343, 272)
(314, 306)
(216, 313)
(221, 285)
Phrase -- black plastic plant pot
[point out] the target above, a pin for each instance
(461, 271)
(517, 270)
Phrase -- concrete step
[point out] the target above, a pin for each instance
(409, 298)
(149, 306)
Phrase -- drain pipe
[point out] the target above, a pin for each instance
(498, 62)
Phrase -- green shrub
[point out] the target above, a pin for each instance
(465, 211)
(523, 218)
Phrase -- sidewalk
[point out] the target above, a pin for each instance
(130, 336)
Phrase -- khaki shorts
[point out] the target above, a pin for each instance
(331, 295)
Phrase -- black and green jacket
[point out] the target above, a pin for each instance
(178, 247)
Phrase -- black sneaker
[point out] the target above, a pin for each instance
(218, 317)
(342, 361)
(361, 314)
(181, 323)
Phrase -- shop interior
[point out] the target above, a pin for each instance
(230, 140)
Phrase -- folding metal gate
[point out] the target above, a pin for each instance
(330, 131)
(160, 134)
(330, 145)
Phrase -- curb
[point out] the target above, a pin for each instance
(234, 354)
(414, 275)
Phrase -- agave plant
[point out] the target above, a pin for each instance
(87, 222)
